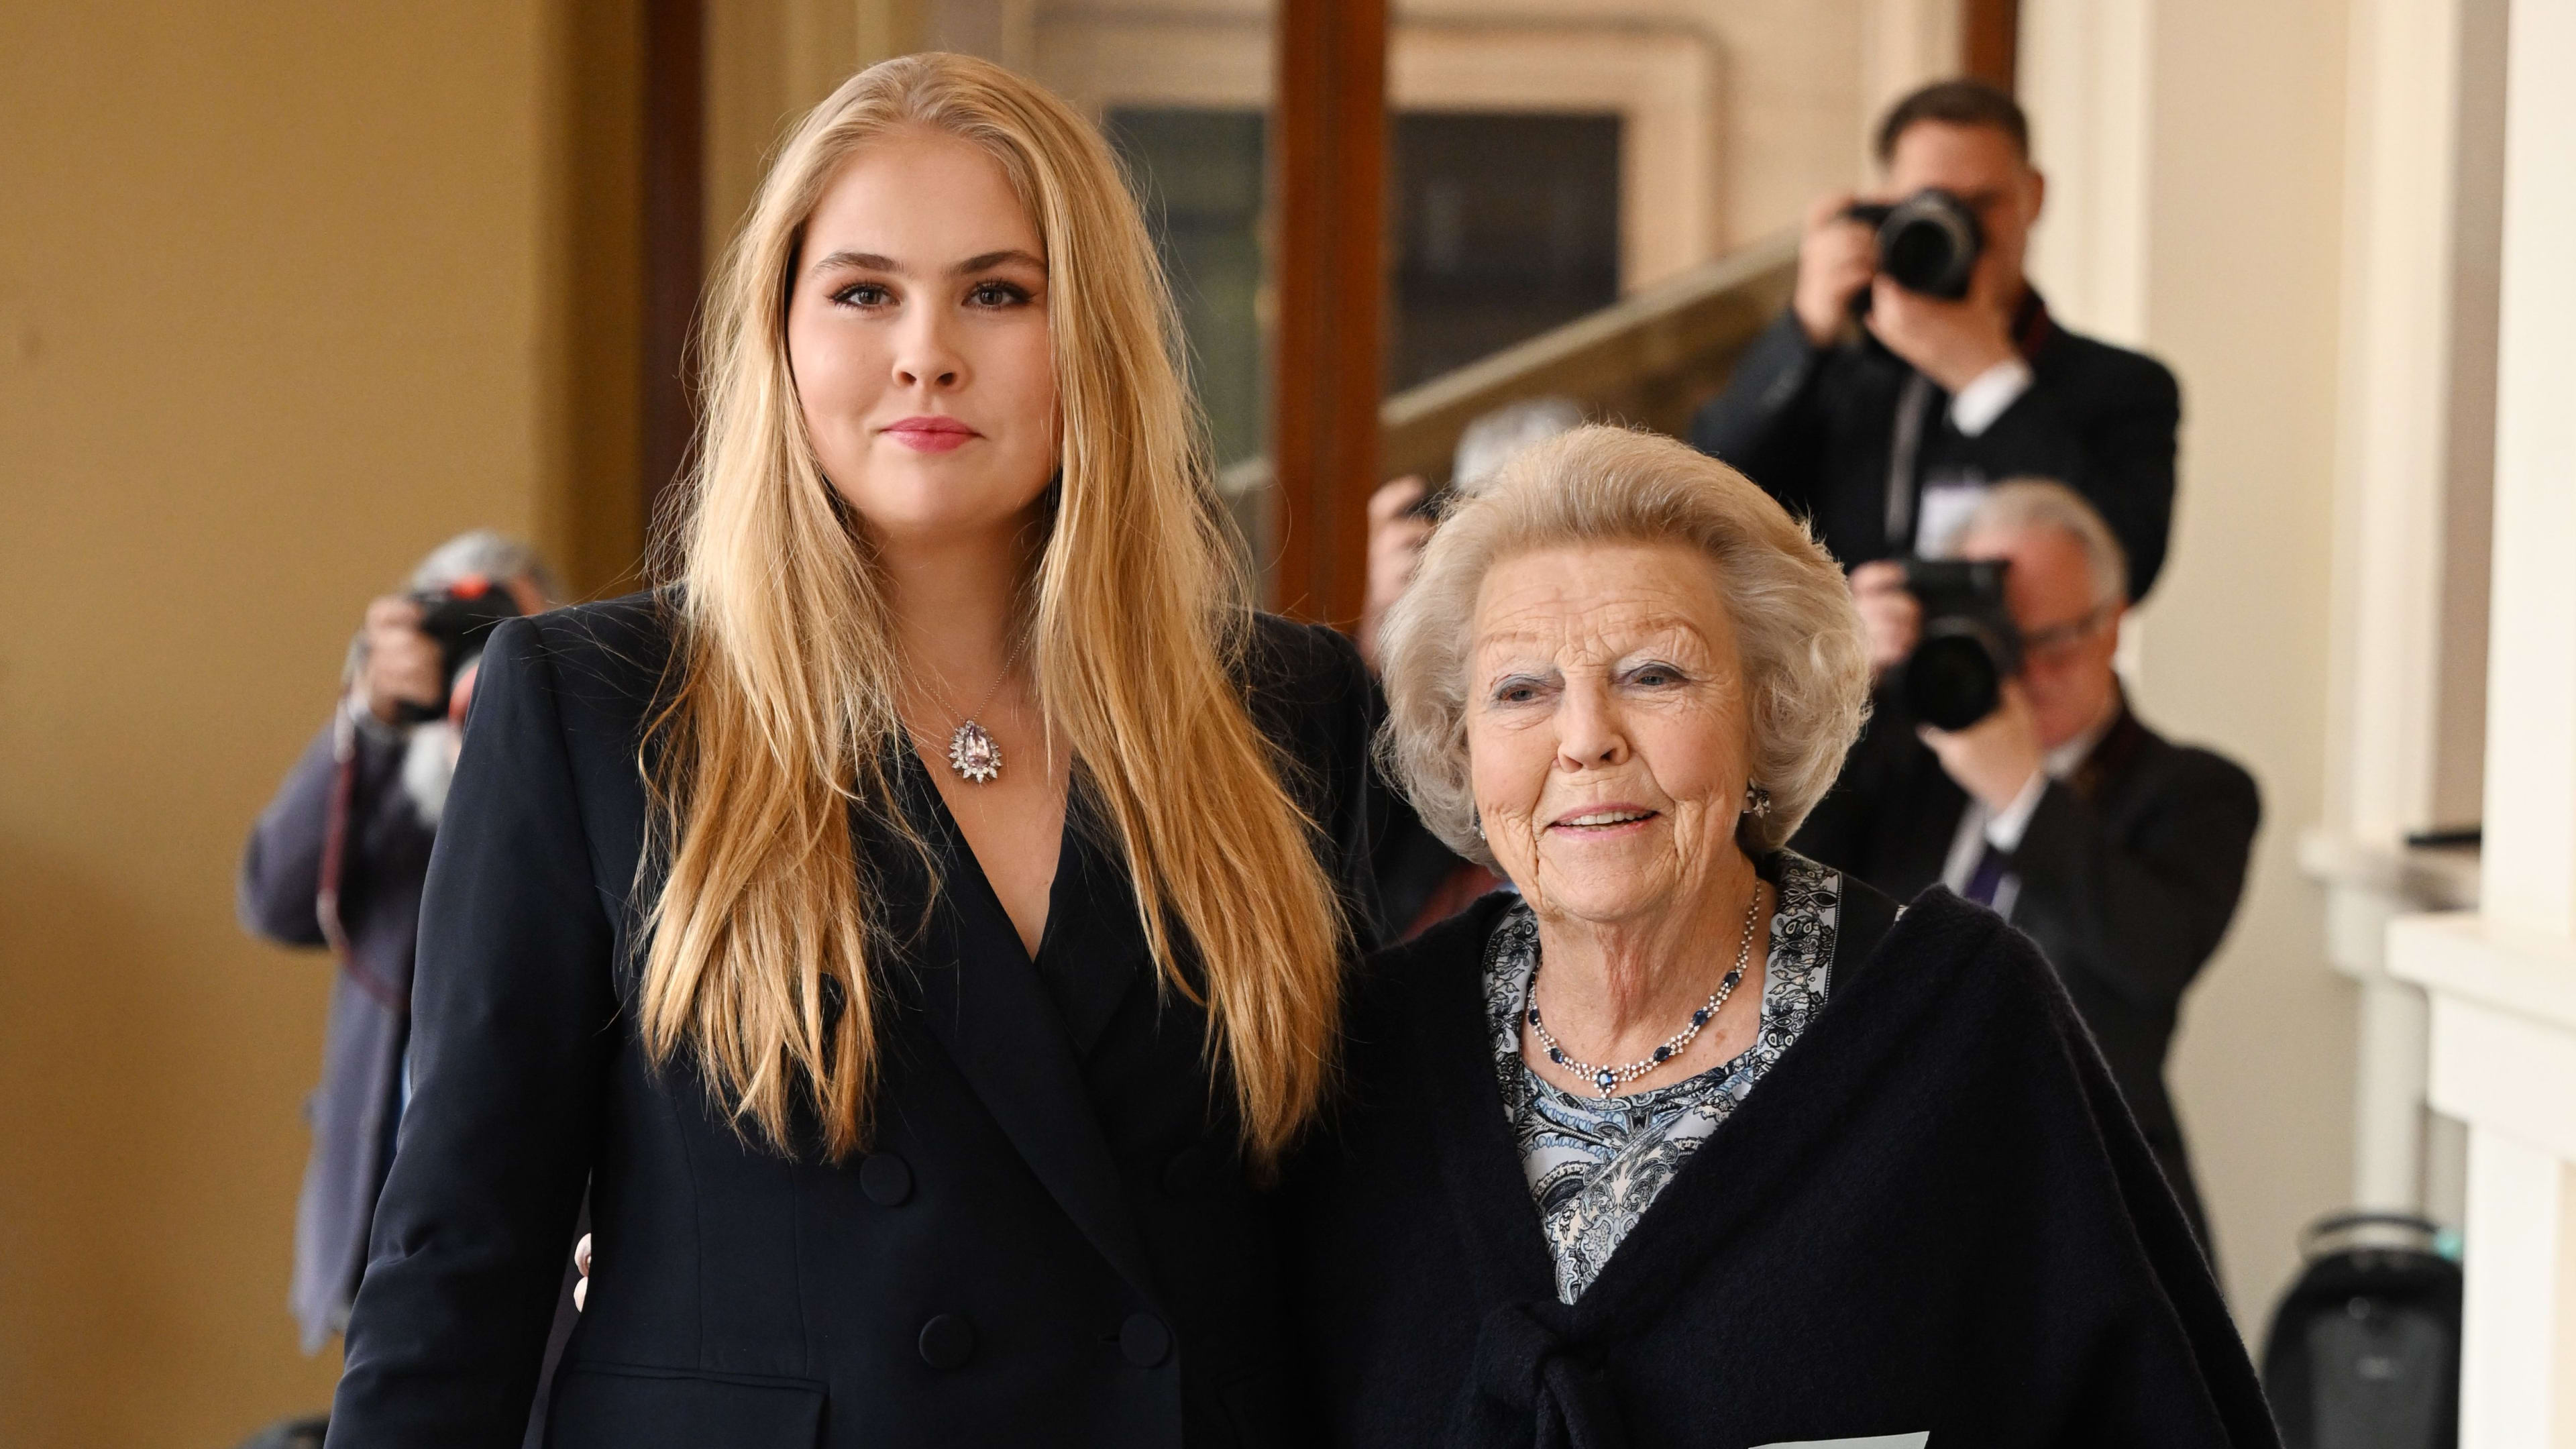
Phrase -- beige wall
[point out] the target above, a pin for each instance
(1790, 84)
(2219, 250)
(287, 294)
(1790, 75)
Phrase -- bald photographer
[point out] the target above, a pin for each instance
(2002, 759)
(1917, 365)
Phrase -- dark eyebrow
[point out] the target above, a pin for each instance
(872, 262)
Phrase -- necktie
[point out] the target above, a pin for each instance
(1988, 875)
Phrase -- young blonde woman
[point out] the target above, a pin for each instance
(920, 924)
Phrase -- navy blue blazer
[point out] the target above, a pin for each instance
(1052, 1239)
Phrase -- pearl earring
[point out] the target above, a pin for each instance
(1757, 801)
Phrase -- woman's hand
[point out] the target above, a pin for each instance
(581, 1265)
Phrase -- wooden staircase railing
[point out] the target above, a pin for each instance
(1648, 360)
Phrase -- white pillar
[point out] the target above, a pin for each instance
(2388, 1110)
(2530, 867)
(2503, 983)
(2406, 663)
(2390, 478)
(2511, 1338)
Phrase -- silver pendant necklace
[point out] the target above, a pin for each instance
(972, 751)
(1609, 1079)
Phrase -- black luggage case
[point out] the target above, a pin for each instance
(2364, 1351)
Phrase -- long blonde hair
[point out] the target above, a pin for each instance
(781, 714)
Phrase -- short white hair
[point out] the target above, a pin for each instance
(1806, 670)
(1495, 438)
(2020, 505)
(486, 552)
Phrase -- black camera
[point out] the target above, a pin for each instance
(459, 619)
(1968, 647)
(1927, 243)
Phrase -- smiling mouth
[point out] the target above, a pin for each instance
(931, 435)
(1604, 819)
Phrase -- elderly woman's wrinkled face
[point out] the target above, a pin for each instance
(1606, 726)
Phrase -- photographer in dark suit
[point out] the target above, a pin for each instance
(2121, 854)
(1882, 412)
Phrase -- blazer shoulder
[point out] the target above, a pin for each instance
(2197, 770)
(611, 637)
(607, 657)
(1964, 947)
(2216, 776)
(1310, 694)
(1436, 960)
(2117, 370)
(1298, 659)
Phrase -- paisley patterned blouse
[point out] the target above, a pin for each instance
(1594, 1164)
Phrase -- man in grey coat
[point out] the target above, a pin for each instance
(337, 860)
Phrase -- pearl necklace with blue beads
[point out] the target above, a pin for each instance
(1610, 1079)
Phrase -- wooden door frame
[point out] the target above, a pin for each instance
(673, 217)
(1329, 192)
(1990, 45)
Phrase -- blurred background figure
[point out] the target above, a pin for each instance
(1421, 881)
(1917, 365)
(2121, 854)
(337, 860)
(1401, 512)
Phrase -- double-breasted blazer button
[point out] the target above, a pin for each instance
(947, 1341)
(1144, 1339)
(885, 1178)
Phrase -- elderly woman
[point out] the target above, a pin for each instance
(1692, 1141)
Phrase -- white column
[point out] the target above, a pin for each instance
(2388, 1106)
(2511, 1336)
(2503, 983)
(2395, 393)
(2414, 380)
(2531, 740)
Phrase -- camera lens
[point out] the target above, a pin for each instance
(1929, 244)
(1953, 678)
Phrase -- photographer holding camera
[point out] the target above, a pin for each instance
(2121, 854)
(338, 859)
(1916, 365)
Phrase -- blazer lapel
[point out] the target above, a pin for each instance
(997, 1021)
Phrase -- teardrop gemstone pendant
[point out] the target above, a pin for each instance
(974, 755)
